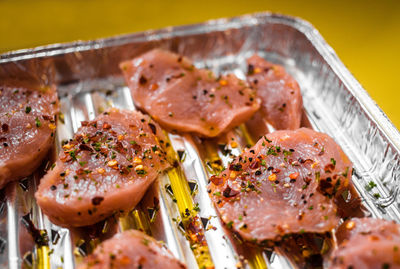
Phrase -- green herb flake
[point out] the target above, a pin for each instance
(317, 176)
(266, 139)
(61, 117)
(146, 241)
(28, 109)
(72, 153)
(141, 172)
(286, 152)
(37, 122)
(345, 195)
(345, 173)
(271, 151)
(370, 186)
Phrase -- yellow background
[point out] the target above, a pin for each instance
(365, 34)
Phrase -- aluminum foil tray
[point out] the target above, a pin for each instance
(89, 80)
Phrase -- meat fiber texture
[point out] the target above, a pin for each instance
(185, 99)
(131, 249)
(281, 100)
(367, 243)
(106, 168)
(286, 184)
(28, 123)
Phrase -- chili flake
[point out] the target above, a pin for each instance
(272, 177)
(112, 163)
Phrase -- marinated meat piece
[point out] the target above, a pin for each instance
(106, 168)
(183, 98)
(281, 101)
(367, 243)
(131, 249)
(28, 123)
(287, 183)
(257, 126)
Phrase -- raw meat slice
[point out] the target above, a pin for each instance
(281, 100)
(367, 243)
(185, 99)
(131, 249)
(28, 123)
(106, 168)
(287, 183)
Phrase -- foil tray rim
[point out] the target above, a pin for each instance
(219, 24)
(370, 106)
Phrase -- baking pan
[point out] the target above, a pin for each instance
(89, 80)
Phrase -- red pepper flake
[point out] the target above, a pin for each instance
(112, 163)
(4, 127)
(300, 216)
(229, 192)
(250, 69)
(254, 165)
(97, 200)
(47, 117)
(153, 128)
(329, 168)
(307, 180)
(235, 167)
(106, 126)
(294, 175)
(216, 180)
(154, 86)
(272, 177)
(276, 171)
(85, 147)
(142, 80)
(350, 225)
(223, 82)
